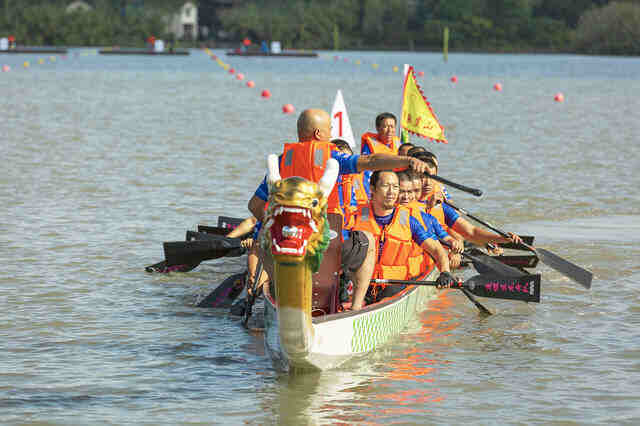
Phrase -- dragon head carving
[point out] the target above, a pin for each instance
(296, 226)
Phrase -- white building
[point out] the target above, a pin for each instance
(78, 6)
(184, 24)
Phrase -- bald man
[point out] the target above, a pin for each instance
(309, 157)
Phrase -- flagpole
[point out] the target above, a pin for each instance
(404, 135)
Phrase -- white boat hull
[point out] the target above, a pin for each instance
(337, 338)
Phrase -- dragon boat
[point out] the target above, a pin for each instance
(305, 327)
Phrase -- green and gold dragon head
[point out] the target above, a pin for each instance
(296, 226)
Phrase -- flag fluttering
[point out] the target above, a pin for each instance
(417, 116)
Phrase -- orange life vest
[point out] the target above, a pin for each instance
(375, 146)
(419, 261)
(398, 242)
(352, 187)
(308, 160)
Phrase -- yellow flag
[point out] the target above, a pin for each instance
(417, 115)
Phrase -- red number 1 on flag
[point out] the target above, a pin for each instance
(338, 115)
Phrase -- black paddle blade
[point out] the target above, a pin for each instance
(188, 252)
(566, 268)
(224, 295)
(229, 222)
(519, 261)
(217, 230)
(485, 264)
(525, 288)
(161, 267)
(193, 236)
(527, 239)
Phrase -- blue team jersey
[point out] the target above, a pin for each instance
(432, 223)
(348, 164)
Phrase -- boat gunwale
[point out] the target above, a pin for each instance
(398, 297)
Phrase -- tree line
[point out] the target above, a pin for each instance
(584, 26)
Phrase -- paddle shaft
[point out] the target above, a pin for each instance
(566, 268)
(469, 190)
(525, 287)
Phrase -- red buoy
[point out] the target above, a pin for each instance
(454, 79)
(288, 109)
(231, 70)
(250, 83)
(559, 97)
(420, 73)
(6, 68)
(240, 76)
(266, 94)
(497, 87)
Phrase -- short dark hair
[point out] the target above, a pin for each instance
(409, 144)
(383, 116)
(375, 177)
(342, 144)
(426, 157)
(416, 149)
(405, 175)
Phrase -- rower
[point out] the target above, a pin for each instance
(404, 148)
(384, 141)
(391, 231)
(308, 159)
(435, 198)
(418, 263)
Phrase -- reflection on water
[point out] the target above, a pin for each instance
(398, 383)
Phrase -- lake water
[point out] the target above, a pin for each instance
(106, 157)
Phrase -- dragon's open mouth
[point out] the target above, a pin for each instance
(290, 229)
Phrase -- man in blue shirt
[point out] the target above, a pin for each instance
(384, 197)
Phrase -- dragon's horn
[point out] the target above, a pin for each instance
(273, 169)
(329, 177)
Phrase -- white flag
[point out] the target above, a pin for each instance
(340, 125)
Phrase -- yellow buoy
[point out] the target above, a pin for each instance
(26, 64)
(375, 66)
(395, 68)
(357, 62)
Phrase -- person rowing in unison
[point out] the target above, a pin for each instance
(418, 262)
(391, 231)
(308, 158)
(434, 199)
(383, 141)
(404, 148)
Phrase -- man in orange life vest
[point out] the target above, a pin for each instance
(418, 263)
(392, 231)
(308, 159)
(384, 141)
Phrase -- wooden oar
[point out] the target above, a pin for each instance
(525, 288)
(566, 268)
(188, 252)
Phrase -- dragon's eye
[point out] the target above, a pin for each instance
(315, 202)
